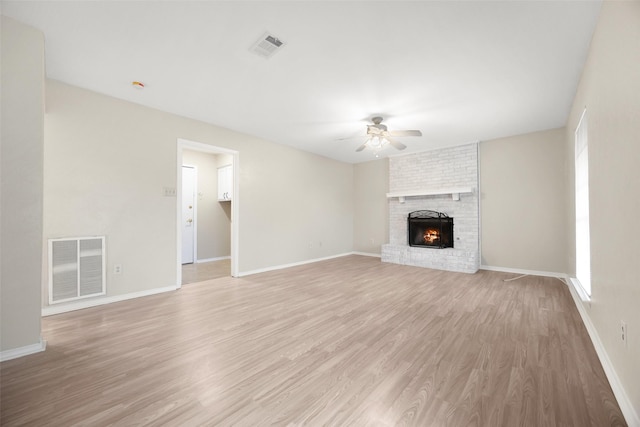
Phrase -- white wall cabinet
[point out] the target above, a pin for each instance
(225, 183)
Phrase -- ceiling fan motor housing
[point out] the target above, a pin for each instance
(376, 129)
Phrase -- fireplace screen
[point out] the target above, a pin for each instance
(430, 229)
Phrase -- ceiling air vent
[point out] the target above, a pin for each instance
(267, 45)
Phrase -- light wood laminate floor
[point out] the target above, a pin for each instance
(345, 342)
(199, 272)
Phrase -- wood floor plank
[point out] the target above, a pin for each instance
(348, 341)
(201, 271)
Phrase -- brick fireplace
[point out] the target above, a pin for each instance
(445, 181)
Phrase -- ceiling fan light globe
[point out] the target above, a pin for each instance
(375, 142)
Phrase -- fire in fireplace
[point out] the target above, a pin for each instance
(430, 229)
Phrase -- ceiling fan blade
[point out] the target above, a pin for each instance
(405, 133)
(396, 144)
(362, 147)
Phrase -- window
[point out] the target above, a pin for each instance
(583, 252)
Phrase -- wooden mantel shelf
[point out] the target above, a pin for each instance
(455, 193)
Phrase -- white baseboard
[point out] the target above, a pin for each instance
(366, 254)
(220, 258)
(293, 264)
(14, 353)
(521, 271)
(629, 412)
(63, 308)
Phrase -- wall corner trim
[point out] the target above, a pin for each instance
(220, 258)
(26, 350)
(366, 254)
(629, 412)
(293, 264)
(522, 271)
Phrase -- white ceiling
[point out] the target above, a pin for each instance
(458, 71)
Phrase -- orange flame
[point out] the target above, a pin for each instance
(431, 235)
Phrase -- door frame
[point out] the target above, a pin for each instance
(185, 144)
(195, 212)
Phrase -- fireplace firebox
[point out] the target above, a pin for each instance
(430, 229)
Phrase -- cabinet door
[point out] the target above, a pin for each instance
(222, 183)
(225, 183)
(229, 172)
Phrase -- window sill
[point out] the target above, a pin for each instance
(580, 290)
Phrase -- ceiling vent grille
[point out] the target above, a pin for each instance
(267, 45)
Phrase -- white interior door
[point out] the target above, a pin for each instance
(188, 214)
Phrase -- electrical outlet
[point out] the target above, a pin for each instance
(623, 332)
(117, 269)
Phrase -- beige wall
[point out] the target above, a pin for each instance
(523, 206)
(301, 206)
(371, 208)
(107, 161)
(610, 90)
(213, 217)
(22, 187)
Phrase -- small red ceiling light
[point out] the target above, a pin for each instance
(138, 85)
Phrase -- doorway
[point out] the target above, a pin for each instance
(205, 197)
(189, 212)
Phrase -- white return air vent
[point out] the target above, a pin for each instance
(267, 45)
(76, 268)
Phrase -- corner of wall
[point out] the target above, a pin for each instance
(21, 187)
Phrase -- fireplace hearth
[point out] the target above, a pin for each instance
(430, 229)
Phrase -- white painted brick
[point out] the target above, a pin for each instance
(442, 168)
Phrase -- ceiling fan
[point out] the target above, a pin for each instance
(378, 136)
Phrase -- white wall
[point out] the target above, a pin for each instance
(523, 202)
(610, 90)
(22, 187)
(107, 161)
(370, 207)
(213, 217)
